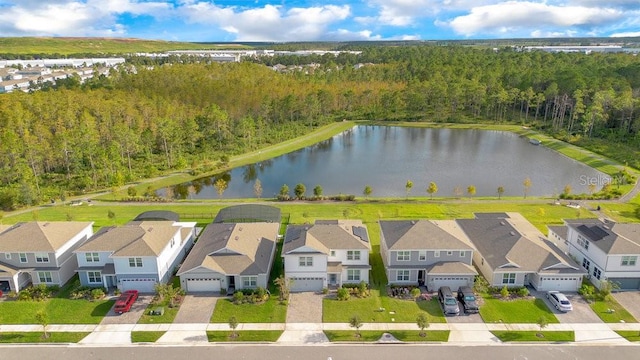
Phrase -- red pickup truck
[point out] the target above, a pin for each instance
(124, 301)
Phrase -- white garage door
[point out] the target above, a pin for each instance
(559, 283)
(307, 284)
(453, 282)
(142, 285)
(203, 285)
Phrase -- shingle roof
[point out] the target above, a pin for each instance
(559, 229)
(40, 236)
(451, 268)
(146, 238)
(421, 234)
(325, 235)
(227, 248)
(612, 238)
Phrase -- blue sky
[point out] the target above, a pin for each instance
(311, 20)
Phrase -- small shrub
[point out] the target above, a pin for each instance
(522, 292)
(238, 297)
(325, 291)
(343, 294)
(587, 291)
(97, 293)
(504, 292)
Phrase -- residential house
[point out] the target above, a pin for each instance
(328, 253)
(135, 256)
(40, 253)
(510, 251)
(605, 249)
(230, 256)
(426, 253)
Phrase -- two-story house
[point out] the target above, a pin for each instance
(510, 251)
(606, 250)
(40, 253)
(135, 256)
(327, 253)
(230, 256)
(426, 253)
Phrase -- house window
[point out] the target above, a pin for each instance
(402, 275)
(92, 257)
(509, 278)
(135, 262)
(353, 275)
(629, 260)
(7, 256)
(23, 257)
(436, 254)
(404, 256)
(463, 253)
(45, 276)
(353, 255)
(333, 253)
(422, 256)
(596, 273)
(305, 261)
(583, 242)
(249, 281)
(586, 264)
(449, 253)
(42, 257)
(94, 277)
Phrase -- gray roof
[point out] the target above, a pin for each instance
(451, 268)
(245, 213)
(234, 249)
(561, 230)
(158, 215)
(40, 236)
(514, 243)
(419, 235)
(610, 237)
(324, 236)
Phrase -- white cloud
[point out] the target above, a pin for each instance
(626, 34)
(515, 15)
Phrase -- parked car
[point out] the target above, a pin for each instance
(468, 299)
(559, 301)
(124, 301)
(448, 301)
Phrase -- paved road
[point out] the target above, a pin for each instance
(340, 352)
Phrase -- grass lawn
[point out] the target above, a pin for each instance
(509, 336)
(146, 336)
(630, 335)
(375, 335)
(166, 318)
(619, 314)
(367, 309)
(58, 310)
(519, 311)
(414, 335)
(245, 335)
(269, 312)
(36, 337)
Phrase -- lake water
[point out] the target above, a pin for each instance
(386, 157)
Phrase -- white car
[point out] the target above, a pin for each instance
(559, 301)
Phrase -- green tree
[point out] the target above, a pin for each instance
(567, 190)
(257, 188)
(220, 185)
(43, 319)
(423, 323)
(111, 215)
(284, 192)
(471, 190)
(432, 189)
(284, 285)
(367, 191)
(542, 322)
(317, 191)
(299, 190)
(131, 191)
(527, 185)
(504, 293)
(356, 323)
(233, 324)
(500, 191)
(408, 186)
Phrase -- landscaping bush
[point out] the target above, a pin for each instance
(522, 292)
(97, 293)
(587, 291)
(250, 296)
(343, 294)
(504, 292)
(38, 292)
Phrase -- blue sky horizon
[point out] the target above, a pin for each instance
(313, 20)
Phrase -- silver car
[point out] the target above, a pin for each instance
(559, 301)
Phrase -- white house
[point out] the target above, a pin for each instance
(328, 253)
(606, 250)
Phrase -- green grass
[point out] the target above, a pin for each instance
(620, 314)
(630, 335)
(375, 335)
(367, 309)
(245, 335)
(519, 311)
(146, 336)
(37, 337)
(59, 311)
(166, 318)
(553, 336)
(269, 312)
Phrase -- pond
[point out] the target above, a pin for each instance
(386, 157)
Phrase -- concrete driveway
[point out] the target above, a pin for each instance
(464, 318)
(197, 308)
(305, 307)
(130, 317)
(581, 312)
(630, 300)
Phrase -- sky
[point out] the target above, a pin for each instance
(312, 20)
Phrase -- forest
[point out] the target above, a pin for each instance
(150, 117)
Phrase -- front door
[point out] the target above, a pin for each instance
(333, 279)
(421, 274)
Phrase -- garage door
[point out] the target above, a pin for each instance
(559, 283)
(307, 284)
(142, 285)
(626, 283)
(203, 285)
(453, 282)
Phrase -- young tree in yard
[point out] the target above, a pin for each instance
(317, 191)
(299, 190)
(432, 189)
(220, 185)
(408, 186)
(284, 286)
(233, 324)
(527, 185)
(42, 319)
(367, 191)
(423, 323)
(284, 191)
(356, 323)
(500, 191)
(415, 293)
(257, 188)
(542, 322)
(471, 190)
(111, 215)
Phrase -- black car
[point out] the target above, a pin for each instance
(468, 299)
